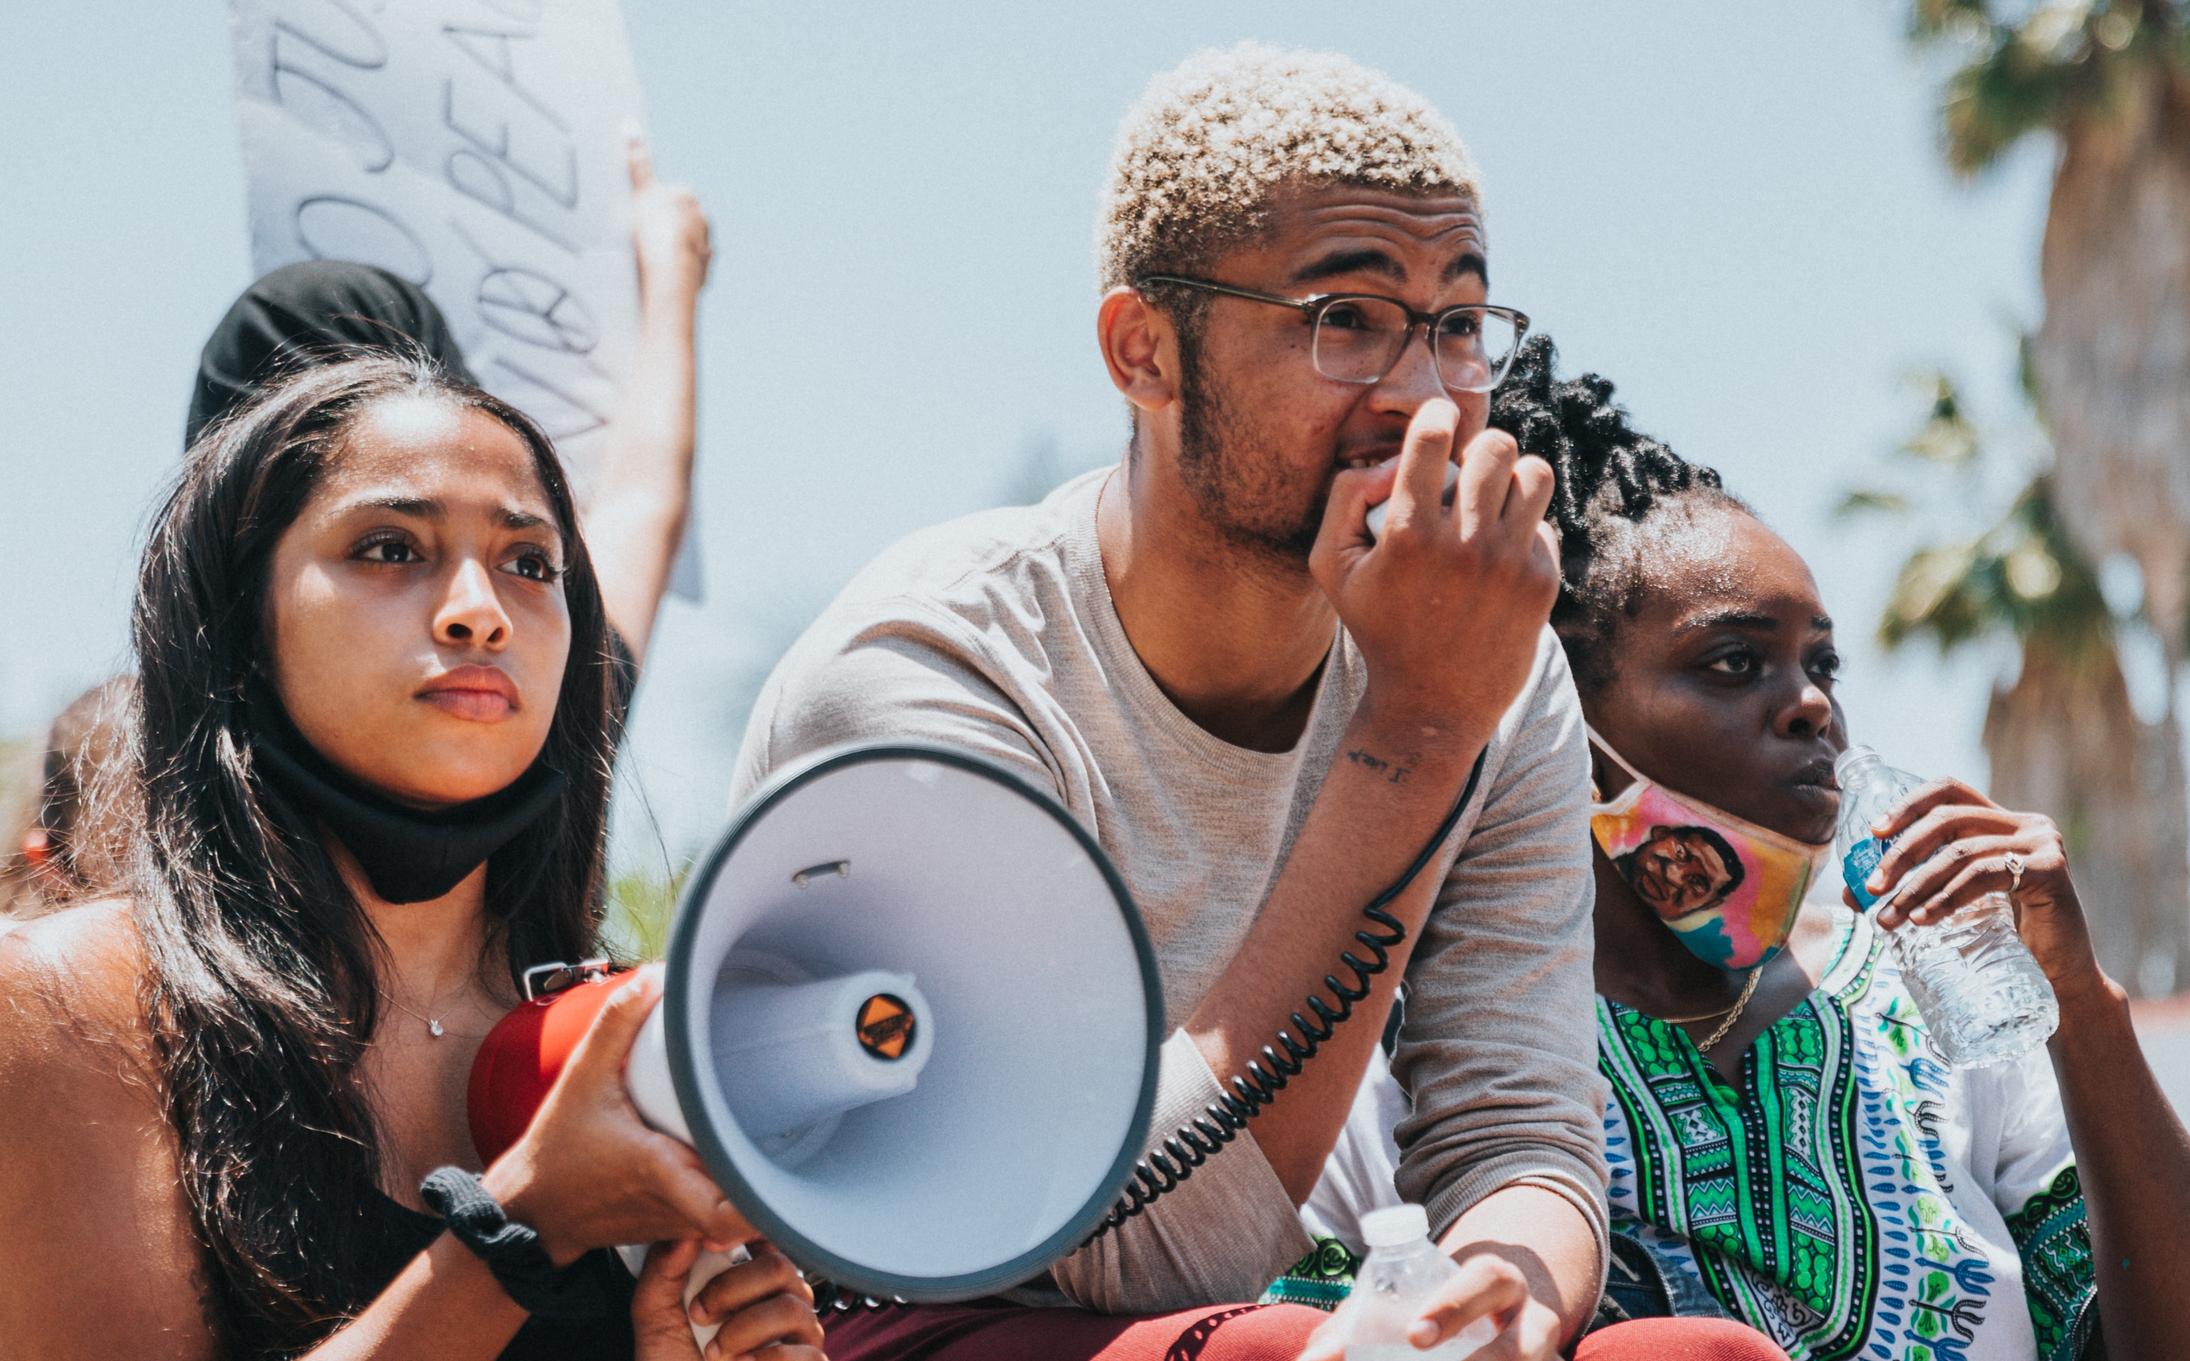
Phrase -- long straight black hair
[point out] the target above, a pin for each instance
(260, 980)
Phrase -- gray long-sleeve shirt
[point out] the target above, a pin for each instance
(996, 634)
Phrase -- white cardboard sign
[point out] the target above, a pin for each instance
(476, 148)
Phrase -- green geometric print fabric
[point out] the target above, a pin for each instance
(1322, 1279)
(1827, 1198)
(1789, 1227)
(2055, 1245)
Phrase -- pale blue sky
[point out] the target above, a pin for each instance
(1734, 210)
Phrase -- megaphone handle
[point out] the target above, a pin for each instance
(1191, 1145)
(707, 1268)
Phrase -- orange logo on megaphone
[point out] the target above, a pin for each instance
(885, 1026)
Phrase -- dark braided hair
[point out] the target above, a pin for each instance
(1613, 489)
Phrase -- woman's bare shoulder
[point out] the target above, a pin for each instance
(91, 1176)
(70, 986)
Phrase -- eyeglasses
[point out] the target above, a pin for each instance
(1358, 337)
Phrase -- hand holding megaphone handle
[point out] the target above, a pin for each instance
(759, 1298)
(706, 1268)
(653, 1092)
(1191, 1145)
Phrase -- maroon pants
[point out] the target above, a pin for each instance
(991, 1331)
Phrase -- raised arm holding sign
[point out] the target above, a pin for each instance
(635, 517)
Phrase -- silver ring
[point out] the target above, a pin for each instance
(2015, 867)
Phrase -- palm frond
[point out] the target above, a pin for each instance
(2063, 61)
(2020, 579)
(1870, 501)
(2001, 97)
(1938, 596)
(1963, 21)
(2054, 587)
(1946, 437)
(2026, 374)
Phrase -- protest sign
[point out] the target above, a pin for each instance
(477, 149)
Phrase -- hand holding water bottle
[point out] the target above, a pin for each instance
(1410, 1302)
(1952, 847)
(1984, 997)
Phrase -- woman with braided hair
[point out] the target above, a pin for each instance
(1786, 1146)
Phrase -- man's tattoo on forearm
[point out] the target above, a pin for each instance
(1396, 774)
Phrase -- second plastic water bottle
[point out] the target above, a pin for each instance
(1397, 1281)
(1984, 999)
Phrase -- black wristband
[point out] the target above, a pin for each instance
(512, 1251)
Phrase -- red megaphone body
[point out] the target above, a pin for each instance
(521, 1058)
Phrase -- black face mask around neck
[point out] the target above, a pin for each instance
(409, 855)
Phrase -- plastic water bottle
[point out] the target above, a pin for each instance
(1397, 1281)
(1984, 998)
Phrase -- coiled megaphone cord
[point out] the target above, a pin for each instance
(829, 1297)
(1194, 1143)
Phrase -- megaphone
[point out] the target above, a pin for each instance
(909, 1021)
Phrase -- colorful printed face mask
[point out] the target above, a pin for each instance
(1726, 887)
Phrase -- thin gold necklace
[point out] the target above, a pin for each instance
(1704, 1015)
(1748, 990)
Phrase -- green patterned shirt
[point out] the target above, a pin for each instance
(1853, 1196)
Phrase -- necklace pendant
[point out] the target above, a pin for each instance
(433, 1028)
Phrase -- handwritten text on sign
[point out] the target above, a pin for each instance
(474, 147)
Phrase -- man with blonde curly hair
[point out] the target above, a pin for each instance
(1246, 688)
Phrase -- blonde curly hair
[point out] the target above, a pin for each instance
(1200, 153)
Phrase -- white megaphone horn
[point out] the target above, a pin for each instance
(909, 1020)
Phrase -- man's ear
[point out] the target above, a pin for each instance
(1140, 348)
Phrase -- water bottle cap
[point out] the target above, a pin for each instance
(1396, 1226)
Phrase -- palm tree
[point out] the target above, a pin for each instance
(2110, 79)
(2060, 734)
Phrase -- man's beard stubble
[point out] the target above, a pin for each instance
(1235, 484)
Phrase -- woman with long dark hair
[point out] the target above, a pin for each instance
(377, 709)
(324, 311)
